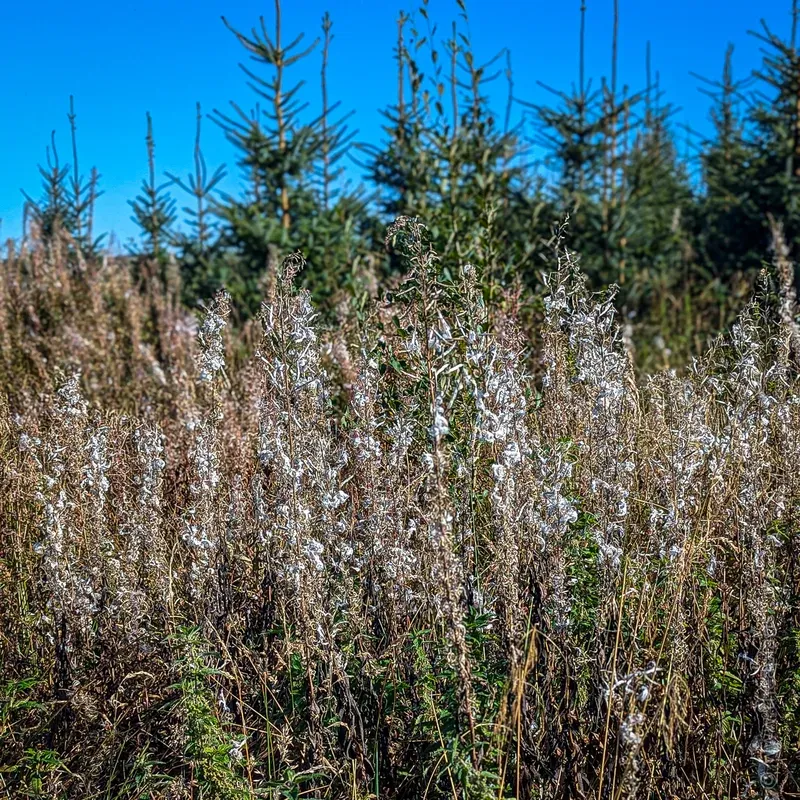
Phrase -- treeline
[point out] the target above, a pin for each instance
(683, 235)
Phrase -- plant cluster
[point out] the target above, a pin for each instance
(426, 552)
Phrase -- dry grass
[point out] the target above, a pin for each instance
(385, 560)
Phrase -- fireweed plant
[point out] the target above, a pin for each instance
(448, 548)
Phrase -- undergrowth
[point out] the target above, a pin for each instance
(450, 547)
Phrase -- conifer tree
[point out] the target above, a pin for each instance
(447, 160)
(620, 180)
(289, 163)
(337, 238)
(276, 150)
(774, 163)
(68, 199)
(657, 204)
(154, 210)
(199, 246)
(751, 166)
(82, 194)
(729, 232)
(493, 199)
(579, 132)
(402, 168)
(52, 212)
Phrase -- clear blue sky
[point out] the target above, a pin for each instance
(122, 59)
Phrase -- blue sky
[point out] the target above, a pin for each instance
(121, 60)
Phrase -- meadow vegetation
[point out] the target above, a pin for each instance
(410, 555)
(393, 497)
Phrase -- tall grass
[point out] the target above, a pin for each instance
(446, 549)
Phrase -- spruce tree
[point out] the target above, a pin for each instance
(773, 172)
(67, 203)
(580, 132)
(447, 160)
(402, 167)
(289, 162)
(51, 213)
(154, 210)
(657, 201)
(729, 231)
(199, 246)
(336, 240)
